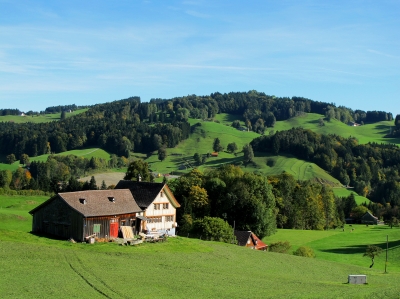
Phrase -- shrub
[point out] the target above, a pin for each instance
(304, 251)
(271, 162)
(280, 247)
(214, 229)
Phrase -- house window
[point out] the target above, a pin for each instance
(156, 206)
(154, 219)
(165, 206)
(162, 194)
(169, 218)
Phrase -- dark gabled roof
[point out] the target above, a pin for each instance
(145, 192)
(369, 215)
(242, 237)
(98, 202)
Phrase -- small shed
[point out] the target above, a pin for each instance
(368, 218)
(81, 214)
(249, 239)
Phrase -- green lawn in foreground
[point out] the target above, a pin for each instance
(346, 246)
(37, 267)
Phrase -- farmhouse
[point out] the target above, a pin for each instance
(79, 215)
(249, 239)
(157, 202)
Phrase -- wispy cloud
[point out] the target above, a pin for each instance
(383, 54)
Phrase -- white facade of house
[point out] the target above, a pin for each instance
(161, 214)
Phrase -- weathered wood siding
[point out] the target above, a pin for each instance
(103, 224)
(58, 219)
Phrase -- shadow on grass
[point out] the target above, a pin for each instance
(47, 236)
(231, 117)
(359, 249)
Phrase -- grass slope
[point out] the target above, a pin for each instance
(86, 153)
(36, 267)
(343, 192)
(347, 246)
(367, 133)
(202, 139)
(38, 118)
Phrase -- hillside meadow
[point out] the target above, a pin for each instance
(347, 246)
(34, 266)
(40, 118)
(345, 192)
(87, 153)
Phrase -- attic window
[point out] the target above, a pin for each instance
(112, 199)
(162, 194)
(82, 201)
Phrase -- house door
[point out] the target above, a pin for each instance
(114, 228)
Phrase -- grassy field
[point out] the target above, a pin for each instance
(110, 178)
(202, 139)
(366, 133)
(343, 192)
(348, 246)
(38, 118)
(86, 153)
(32, 266)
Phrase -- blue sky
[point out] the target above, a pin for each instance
(88, 52)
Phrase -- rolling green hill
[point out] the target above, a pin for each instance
(86, 153)
(33, 266)
(366, 133)
(343, 192)
(38, 118)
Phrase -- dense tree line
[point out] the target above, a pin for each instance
(372, 169)
(58, 173)
(4, 112)
(119, 127)
(260, 111)
(308, 204)
(126, 125)
(248, 201)
(61, 108)
(244, 200)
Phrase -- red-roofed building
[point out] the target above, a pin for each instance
(249, 239)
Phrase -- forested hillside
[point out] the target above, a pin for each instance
(127, 126)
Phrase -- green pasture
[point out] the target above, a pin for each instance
(33, 266)
(40, 118)
(367, 133)
(300, 169)
(87, 153)
(344, 192)
(201, 141)
(347, 246)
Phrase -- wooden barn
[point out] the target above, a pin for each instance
(157, 202)
(368, 218)
(82, 214)
(249, 239)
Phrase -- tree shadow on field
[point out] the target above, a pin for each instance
(359, 249)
